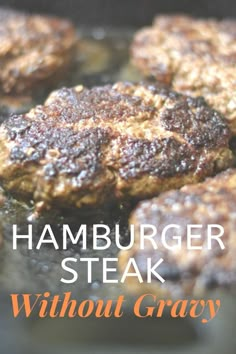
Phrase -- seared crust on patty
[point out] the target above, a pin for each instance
(186, 271)
(195, 56)
(34, 50)
(123, 141)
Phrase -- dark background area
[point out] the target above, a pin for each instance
(124, 12)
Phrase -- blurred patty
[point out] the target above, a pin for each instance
(34, 51)
(195, 56)
(187, 271)
(116, 142)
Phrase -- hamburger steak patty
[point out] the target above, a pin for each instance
(126, 141)
(195, 56)
(34, 50)
(185, 271)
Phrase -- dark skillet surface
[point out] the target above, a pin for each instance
(32, 271)
(124, 12)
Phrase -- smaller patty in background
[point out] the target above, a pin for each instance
(35, 52)
(195, 56)
(186, 271)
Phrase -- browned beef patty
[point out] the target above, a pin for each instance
(34, 51)
(195, 56)
(209, 203)
(117, 142)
